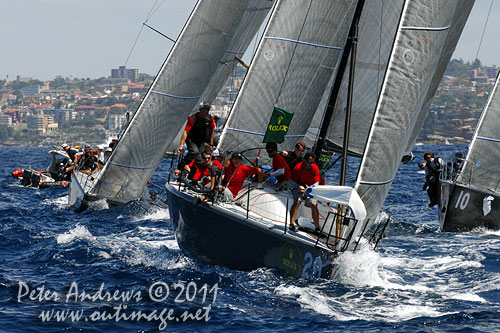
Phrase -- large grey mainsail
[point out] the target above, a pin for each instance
(481, 170)
(195, 69)
(427, 35)
(296, 58)
(377, 30)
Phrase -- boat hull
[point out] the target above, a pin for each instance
(218, 236)
(461, 208)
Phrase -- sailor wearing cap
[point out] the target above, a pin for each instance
(199, 130)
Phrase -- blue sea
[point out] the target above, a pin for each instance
(120, 270)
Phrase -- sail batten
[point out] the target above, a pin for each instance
(304, 43)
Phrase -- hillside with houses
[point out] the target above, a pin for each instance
(78, 110)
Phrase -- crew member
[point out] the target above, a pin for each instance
(304, 175)
(294, 157)
(201, 174)
(432, 171)
(235, 174)
(198, 131)
(280, 170)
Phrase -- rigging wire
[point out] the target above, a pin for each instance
(484, 30)
(150, 14)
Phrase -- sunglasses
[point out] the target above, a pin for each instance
(309, 161)
(301, 150)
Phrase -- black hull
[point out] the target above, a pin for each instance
(461, 209)
(217, 236)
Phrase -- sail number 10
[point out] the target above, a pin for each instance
(463, 200)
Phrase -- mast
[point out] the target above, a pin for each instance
(336, 88)
(345, 146)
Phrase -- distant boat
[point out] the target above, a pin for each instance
(219, 31)
(53, 176)
(471, 198)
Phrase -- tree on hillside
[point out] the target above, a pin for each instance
(476, 64)
(457, 68)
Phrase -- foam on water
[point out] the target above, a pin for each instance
(78, 232)
(360, 268)
(59, 202)
(141, 246)
(314, 300)
(99, 204)
(154, 214)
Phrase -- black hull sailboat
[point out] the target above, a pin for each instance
(471, 198)
(224, 235)
(463, 208)
(247, 236)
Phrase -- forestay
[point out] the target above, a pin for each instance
(427, 36)
(481, 170)
(296, 58)
(195, 68)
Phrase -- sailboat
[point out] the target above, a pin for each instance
(299, 63)
(216, 34)
(471, 198)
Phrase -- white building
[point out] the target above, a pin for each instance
(116, 121)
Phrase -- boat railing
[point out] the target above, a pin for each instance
(340, 217)
(449, 172)
(87, 183)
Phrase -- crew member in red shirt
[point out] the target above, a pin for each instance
(305, 174)
(235, 174)
(198, 131)
(280, 170)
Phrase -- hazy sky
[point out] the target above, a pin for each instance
(86, 38)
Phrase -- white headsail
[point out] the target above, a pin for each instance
(427, 35)
(195, 68)
(481, 170)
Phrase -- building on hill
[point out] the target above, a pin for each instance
(123, 72)
(116, 121)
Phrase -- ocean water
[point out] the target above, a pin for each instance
(121, 270)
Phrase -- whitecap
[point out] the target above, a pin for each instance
(78, 232)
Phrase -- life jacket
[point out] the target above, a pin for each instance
(200, 131)
(434, 167)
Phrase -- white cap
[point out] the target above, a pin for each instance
(64, 145)
(215, 152)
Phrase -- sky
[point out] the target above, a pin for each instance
(43, 39)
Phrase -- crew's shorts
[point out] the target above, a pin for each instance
(299, 196)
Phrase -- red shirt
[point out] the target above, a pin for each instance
(280, 163)
(203, 170)
(190, 122)
(236, 179)
(217, 164)
(303, 176)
